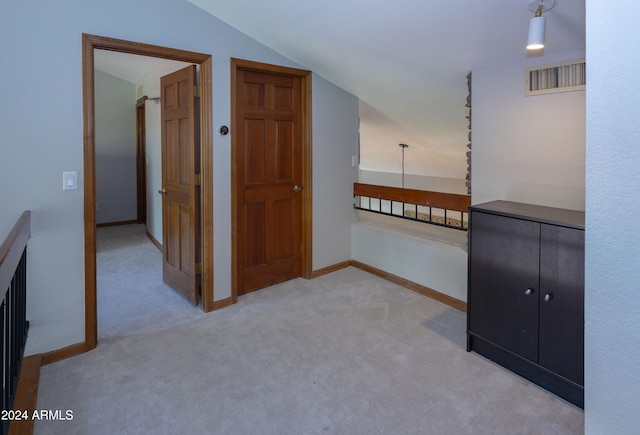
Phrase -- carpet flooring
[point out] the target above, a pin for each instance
(345, 353)
(132, 299)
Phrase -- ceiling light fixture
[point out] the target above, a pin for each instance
(538, 23)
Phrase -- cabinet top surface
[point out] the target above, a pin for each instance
(550, 215)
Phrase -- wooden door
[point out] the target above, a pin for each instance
(503, 282)
(141, 167)
(180, 201)
(268, 179)
(562, 312)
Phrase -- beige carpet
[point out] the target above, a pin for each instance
(132, 299)
(346, 353)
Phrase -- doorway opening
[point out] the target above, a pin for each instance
(132, 292)
(90, 43)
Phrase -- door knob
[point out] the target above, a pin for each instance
(162, 192)
(548, 297)
(297, 188)
(528, 291)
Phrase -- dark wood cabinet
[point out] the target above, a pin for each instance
(525, 306)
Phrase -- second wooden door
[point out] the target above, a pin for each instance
(180, 189)
(268, 178)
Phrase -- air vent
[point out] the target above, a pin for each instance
(558, 77)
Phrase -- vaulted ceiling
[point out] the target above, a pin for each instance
(406, 60)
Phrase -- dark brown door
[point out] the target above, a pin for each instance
(180, 214)
(504, 274)
(268, 172)
(141, 167)
(562, 301)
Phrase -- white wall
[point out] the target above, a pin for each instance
(115, 149)
(527, 148)
(42, 136)
(335, 140)
(612, 300)
(428, 255)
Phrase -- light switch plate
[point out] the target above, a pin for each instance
(70, 180)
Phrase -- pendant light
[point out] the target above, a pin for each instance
(538, 24)
(403, 146)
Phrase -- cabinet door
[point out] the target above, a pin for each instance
(503, 265)
(562, 312)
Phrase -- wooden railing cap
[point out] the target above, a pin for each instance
(12, 248)
(448, 201)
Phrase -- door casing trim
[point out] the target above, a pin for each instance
(89, 44)
(307, 164)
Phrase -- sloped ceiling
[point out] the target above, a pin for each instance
(406, 60)
(131, 67)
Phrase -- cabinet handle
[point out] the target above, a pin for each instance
(548, 297)
(528, 291)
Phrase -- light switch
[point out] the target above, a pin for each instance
(70, 180)
(354, 161)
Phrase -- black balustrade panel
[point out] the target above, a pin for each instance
(13, 309)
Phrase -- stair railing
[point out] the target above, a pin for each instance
(436, 208)
(13, 309)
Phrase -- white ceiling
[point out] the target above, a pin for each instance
(132, 67)
(406, 60)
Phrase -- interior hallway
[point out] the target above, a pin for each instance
(132, 299)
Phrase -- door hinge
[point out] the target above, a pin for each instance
(196, 91)
(197, 180)
(198, 268)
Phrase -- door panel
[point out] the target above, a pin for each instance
(562, 316)
(284, 151)
(284, 219)
(504, 264)
(268, 159)
(255, 146)
(255, 235)
(180, 205)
